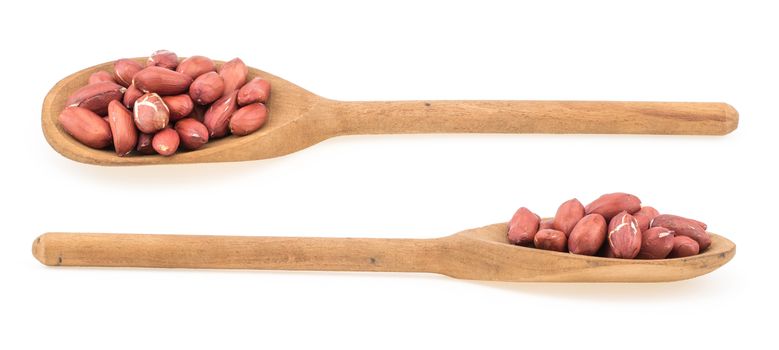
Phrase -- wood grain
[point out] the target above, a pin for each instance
(477, 254)
(299, 119)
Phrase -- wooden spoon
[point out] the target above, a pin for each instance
(299, 119)
(476, 254)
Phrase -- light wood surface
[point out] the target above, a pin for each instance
(299, 119)
(476, 254)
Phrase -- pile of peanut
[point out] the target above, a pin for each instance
(165, 104)
(614, 226)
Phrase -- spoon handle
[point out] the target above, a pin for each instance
(552, 117)
(236, 252)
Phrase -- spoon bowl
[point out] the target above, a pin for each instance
(476, 254)
(282, 134)
(298, 119)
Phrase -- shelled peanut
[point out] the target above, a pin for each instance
(614, 225)
(166, 103)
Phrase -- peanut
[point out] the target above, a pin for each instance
(165, 142)
(550, 240)
(523, 227)
(683, 247)
(656, 243)
(624, 236)
(588, 235)
(248, 119)
(611, 204)
(568, 214)
(123, 129)
(86, 127)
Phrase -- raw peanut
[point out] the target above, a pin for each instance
(101, 76)
(550, 240)
(611, 204)
(624, 236)
(684, 246)
(131, 95)
(192, 133)
(163, 58)
(644, 216)
(195, 66)
(95, 97)
(144, 144)
(218, 115)
(161, 81)
(546, 224)
(523, 227)
(568, 214)
(123, 129)
(683, 227)
(207, 88)
(179, 106)
(150, 113)
(256, 90)
(124, 71)
(234, 73)
(86, 127)
(248, 119)
(656, 243)
(588, 235)
(165, 142)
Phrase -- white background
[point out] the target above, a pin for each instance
(397, 186)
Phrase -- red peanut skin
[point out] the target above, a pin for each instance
(150, 113)
(207, 88)
(124, 71)
(95, 97)
(684, 227)
(256, 90)
(195, 66)
(588, 235)
(217, 117)
(523, 227)
(624, 236)
(161, 81)
(179, 106)
(248, 119)
(683, 247)
(546, 224)
(192, 133)
(144, 144)
(101, 76)
(165, 142)
(131, 95)
(163, 58)
(568, 214)
(234, 73)
(644, 216)
(123, 129)
(656, 243)
(550, 240)
(612, 204)
(86, 127)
